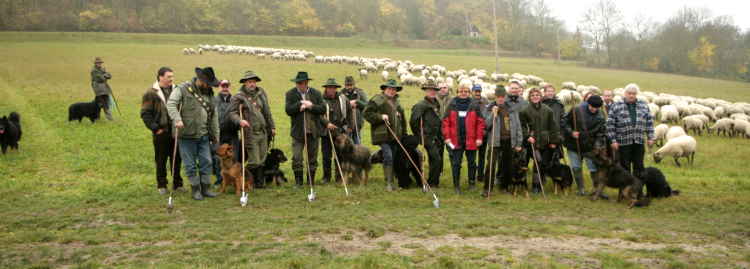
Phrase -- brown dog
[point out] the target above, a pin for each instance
(231, 171)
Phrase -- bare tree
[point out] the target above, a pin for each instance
(601, 22)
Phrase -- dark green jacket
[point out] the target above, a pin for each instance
(539, 121)
(361, 97)
(197, 121)
(99, 77)
(378, 106)
(426, 113)
(293, 103)
(255, 110)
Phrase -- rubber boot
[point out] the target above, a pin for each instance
(259, 180)
(298, 178)
(457, 185)
(535, 188)
(206, 191)
(388, 173)
(578, 177)
(326, 174)
(196, 190)
(602, 195)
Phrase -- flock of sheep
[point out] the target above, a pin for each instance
(697, 115)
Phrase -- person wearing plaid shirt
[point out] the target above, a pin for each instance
(627, 122)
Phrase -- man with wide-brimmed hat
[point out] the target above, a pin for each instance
(383, 109)
(357, 100)
(191, 106)
(258, 124)
(102, 91)
(338, 119)
(304, 105)
(156, 118)
(425, 122)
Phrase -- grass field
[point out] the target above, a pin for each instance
(83, 195)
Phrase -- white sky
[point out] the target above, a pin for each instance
(658, 10)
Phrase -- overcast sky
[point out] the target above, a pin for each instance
(571, 11)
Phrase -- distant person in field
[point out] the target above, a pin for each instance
(627, 123)
(426, 122)
(258, 123)
(102, 91)
(197, 124)
(384, 108)
(337, 120)
(305, 107)
(156, 118)
(357, 100)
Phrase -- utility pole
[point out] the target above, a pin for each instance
(557, 35)
(494, 26)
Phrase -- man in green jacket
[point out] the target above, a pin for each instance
(425, 122)
(304, 105)
(102, 91)
(357, 100)
(385, 109)
(194, 114)
(257, 123)
(338, 119)
(542, 134)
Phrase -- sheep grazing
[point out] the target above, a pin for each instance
(384, 75)
(569, 85)
(694, 124)
(363, 74)
(669, 113)
(675, 132)
(660, 132)
(653, 110)
(683, 146)
(740, 127)
(722, 126)
(569, 97)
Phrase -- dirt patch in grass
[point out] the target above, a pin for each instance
(517, 246)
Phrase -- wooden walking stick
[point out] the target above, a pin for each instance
(491, 177)
(170, 200)
(243, 198)
(311, 196)
(426, 152)
(536, 162)
(435, 201)
(335, 154)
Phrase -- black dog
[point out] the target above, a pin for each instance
(610, 174)
(271, 170)
(405, 171)
(520, 165)
(78, 111)
(560, 173)
(656, 184)
(10, 131)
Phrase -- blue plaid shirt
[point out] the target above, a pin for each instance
(621, 130)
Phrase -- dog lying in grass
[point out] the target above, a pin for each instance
(231, 171)
(78, 111)
(355, 159)
(610, 174)
(10, 131)
(271, 168)
(656, 184)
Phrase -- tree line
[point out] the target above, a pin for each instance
(691, 42)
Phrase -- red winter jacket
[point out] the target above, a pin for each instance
(474, 125)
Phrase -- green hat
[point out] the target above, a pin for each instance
(391, 84)
(500, 90)
(331, 82)
(301, 76)
(349, 80)
(430, 85)
(248, 76)
(98, 60)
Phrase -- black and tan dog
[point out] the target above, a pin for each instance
(355, 159)
(271, 167)
(610, 174)
(520, 166)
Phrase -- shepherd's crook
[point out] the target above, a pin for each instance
(311, 196)
(335, 155)
(170, 201)
(491, 172)
(435, 201)
(243, 199)
(536, 163)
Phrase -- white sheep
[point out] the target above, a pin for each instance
(653, 109)
(569, 97)
(569, 85)
(739, 127)
(722, 126)
(384, 75)
(693, 123)
(683, 146)
(675, 132)
(669, 113)
(660, 132)
(363, 74)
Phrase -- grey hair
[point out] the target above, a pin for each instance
(632, 87)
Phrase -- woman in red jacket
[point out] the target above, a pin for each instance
(463, 130)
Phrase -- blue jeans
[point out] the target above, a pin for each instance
(575, 161)
(387, 154)
(356, 137)
(196, 159)
(457, 157)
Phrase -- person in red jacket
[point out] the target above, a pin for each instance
(463, 130)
